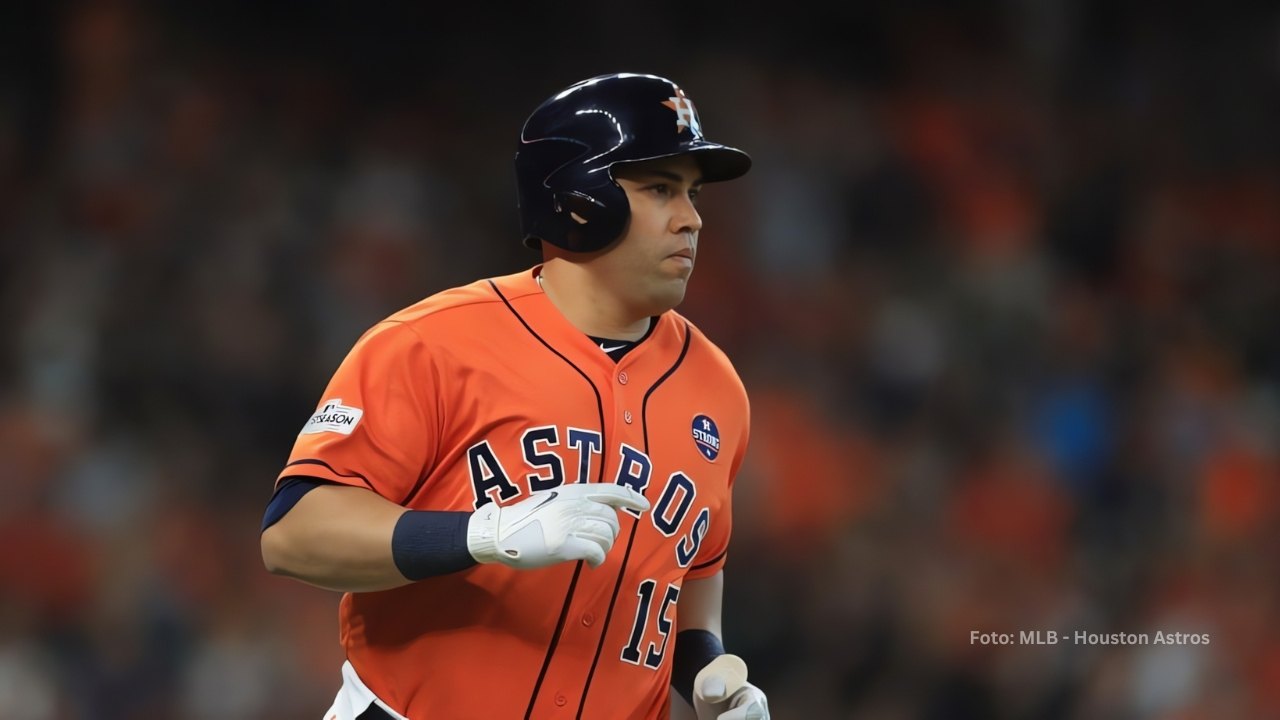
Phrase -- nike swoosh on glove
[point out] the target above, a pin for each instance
(573, 522)
(721, 692)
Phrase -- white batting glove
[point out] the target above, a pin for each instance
(721, 692)
(572, 522)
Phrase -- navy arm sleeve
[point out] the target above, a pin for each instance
(425, 543)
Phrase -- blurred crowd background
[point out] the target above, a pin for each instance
(1003, 286)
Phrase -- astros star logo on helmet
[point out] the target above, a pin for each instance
(686, 116)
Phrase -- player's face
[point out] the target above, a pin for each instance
(654, 258)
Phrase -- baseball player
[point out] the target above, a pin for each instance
(523, 485)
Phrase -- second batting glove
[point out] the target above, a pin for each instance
(721, 692)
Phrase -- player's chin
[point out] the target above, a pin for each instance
(677, 269)
(670, 293)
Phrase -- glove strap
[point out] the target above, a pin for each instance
(694, 650)
(482, 534)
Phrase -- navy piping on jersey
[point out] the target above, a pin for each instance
(330, 468)
(577, 571)
(710, 562)
(622, 571)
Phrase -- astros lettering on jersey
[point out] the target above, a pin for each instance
(485, 393)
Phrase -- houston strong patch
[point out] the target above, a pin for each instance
(706, 436)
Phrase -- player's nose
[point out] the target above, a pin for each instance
(686, 218)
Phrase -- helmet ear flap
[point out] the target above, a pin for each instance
(591, 223)
(580, 207)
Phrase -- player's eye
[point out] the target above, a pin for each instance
(693, 195)
(662, 189)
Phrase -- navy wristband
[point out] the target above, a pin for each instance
(427, 543)
(694, 650)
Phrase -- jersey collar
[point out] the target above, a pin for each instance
(535, 309)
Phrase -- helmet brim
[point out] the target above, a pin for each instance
(719, 162)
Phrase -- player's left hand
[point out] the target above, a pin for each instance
(721, 692)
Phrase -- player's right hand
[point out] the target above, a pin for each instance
(572, 522)
(721, 692)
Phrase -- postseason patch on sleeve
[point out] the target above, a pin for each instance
(333, 416)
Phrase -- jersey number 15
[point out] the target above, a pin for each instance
(654, 652)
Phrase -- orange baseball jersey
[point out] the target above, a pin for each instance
(485, 393)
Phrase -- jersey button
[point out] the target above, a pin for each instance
(588, 619)
(561, 699)
(622, 378)
(627, 416)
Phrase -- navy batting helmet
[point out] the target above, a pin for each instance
(569, 145)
